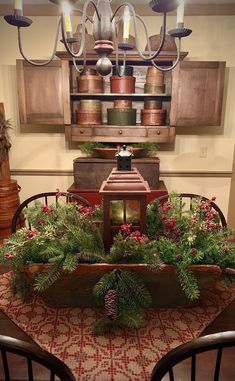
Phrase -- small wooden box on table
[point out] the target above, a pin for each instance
(89, 173)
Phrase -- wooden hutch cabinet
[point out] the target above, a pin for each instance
(194, 93)
(197, 93)
(43, 92)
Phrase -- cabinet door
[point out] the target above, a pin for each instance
(197, 93)
(44, 93)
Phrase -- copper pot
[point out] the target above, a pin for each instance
(89, 117)
(152, 104)
(90, 84)
(122, 85)
(122, 103)
(153, 117)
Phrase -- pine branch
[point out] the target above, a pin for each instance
(188, 282)
(70, 262)
(45, 279)
(131, 318)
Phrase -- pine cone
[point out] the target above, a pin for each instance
(111, 304)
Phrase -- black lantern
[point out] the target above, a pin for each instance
(124, 159)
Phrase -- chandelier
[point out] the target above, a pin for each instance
(104, 29)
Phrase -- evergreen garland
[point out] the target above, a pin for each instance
(131, 297)
(64, 235)
(46, 278)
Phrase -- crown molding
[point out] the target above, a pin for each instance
(190, 10)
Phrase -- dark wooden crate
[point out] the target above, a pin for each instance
(89, 173)
(76, 289)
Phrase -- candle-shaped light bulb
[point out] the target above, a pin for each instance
(66, 9)
(180, 13)
(126, 22)
(18, 8)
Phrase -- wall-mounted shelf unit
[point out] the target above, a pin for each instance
(193, 97)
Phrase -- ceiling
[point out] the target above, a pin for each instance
(142, 2)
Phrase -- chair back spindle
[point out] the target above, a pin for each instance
(213, 342)
(188, 198)
(19, 220)
(33, 354)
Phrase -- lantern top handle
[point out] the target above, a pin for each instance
(124, 152)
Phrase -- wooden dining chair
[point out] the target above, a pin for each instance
(188, 198)
(213, 342)
(33, 355)
(48, 198)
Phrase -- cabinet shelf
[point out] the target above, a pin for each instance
(165, 58)
(120, 134)
(113, 96)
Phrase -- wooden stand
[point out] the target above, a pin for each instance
(9, 195)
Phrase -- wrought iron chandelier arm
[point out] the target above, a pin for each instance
(44, 63)
(175, 63)
(163, 36)
(135, 16)
(80, 69)
(123, 63)
(84, 17)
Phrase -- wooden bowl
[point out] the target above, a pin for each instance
(109, 153)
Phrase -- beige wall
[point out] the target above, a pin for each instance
(44, 148)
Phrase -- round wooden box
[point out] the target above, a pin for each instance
(87, 83)
(121, 117)
(89, 117)
(153, 117)
(151, 88)
(122, 85)
(90, 105)
(152, 104)
(122, 103)
(155, 76)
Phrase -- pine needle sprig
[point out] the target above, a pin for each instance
(46, 278)
(188, 282)
(70, 262)
(132, 296)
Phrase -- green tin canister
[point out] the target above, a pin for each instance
(121, 117)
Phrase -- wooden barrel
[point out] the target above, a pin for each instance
(153, 117)
(9, 202)
(122, 85)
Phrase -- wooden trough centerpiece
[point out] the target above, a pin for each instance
(124, 202)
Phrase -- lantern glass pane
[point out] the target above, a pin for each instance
(116, 212)
(133, 212)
